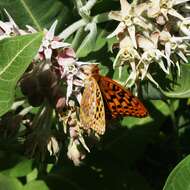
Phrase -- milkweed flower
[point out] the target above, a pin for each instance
(51, 42)
(53, 146)
(147, 35)
(10, 28)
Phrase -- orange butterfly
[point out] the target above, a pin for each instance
(119, 101)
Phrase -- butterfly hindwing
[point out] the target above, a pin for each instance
(119, 101)
(92, 112)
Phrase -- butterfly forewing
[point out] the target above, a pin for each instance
(92, 112)
(119, 101)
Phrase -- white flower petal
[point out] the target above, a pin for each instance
(154, 37)
(117, 60)
(130, 80)
(41, 48)
(51, 31)
(144, 70)
(131, 30)
(57, 44)
(180, 39)
(79, 97)
(45, 43)
(168, 53)
(185, 30)
(73, 152)
(154, 9)
(81, 63)
(161, 64)
(178, 68)
(3, 36)
(152, 80)
(66, 62)
(140, 8)
(120, 28)
(5, 27)
(140, 21)
(83, 143)
(174, 13)
(125, 7)
(69, 87)
(48, 53)
(31, 29)
(145, 43)
(53, 146)
(115, 15)
(180, 53)
(177, 2)
(126, 43)
(133, 75)
(11, 20)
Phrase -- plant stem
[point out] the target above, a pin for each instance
(80, 23)
(175, 128)
(71, 29)
(171, 107)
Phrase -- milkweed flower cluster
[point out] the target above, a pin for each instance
(151, 32)
(59, 63)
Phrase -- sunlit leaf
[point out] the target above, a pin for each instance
(179, 88)
(9, 183)
(21, 169)
(179, 178)
(39, 15)
(16, 54)
(36, 185)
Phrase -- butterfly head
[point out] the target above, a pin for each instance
(90, 69)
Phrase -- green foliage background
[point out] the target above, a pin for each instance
(134, 153)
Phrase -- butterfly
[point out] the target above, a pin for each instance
(99, 91)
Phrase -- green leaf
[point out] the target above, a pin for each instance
(158, 111)
(181, 87)
(21, 169)
(9, 183)
(32, 176)
(16, 54)
(150, 91)
(36, 185)
(39, 15)
(163, 107)
(179, 178)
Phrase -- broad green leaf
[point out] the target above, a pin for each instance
(150, 91)
(36, 185)
(181, 87)
(88, 43)
(21, 169)
(163, 107)
(37, 14)
(179, 178)
(133, 121)
(158, 111)
(16, 54)
(32, 176)
(9, 183)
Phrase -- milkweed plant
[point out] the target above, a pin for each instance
(141, 44)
